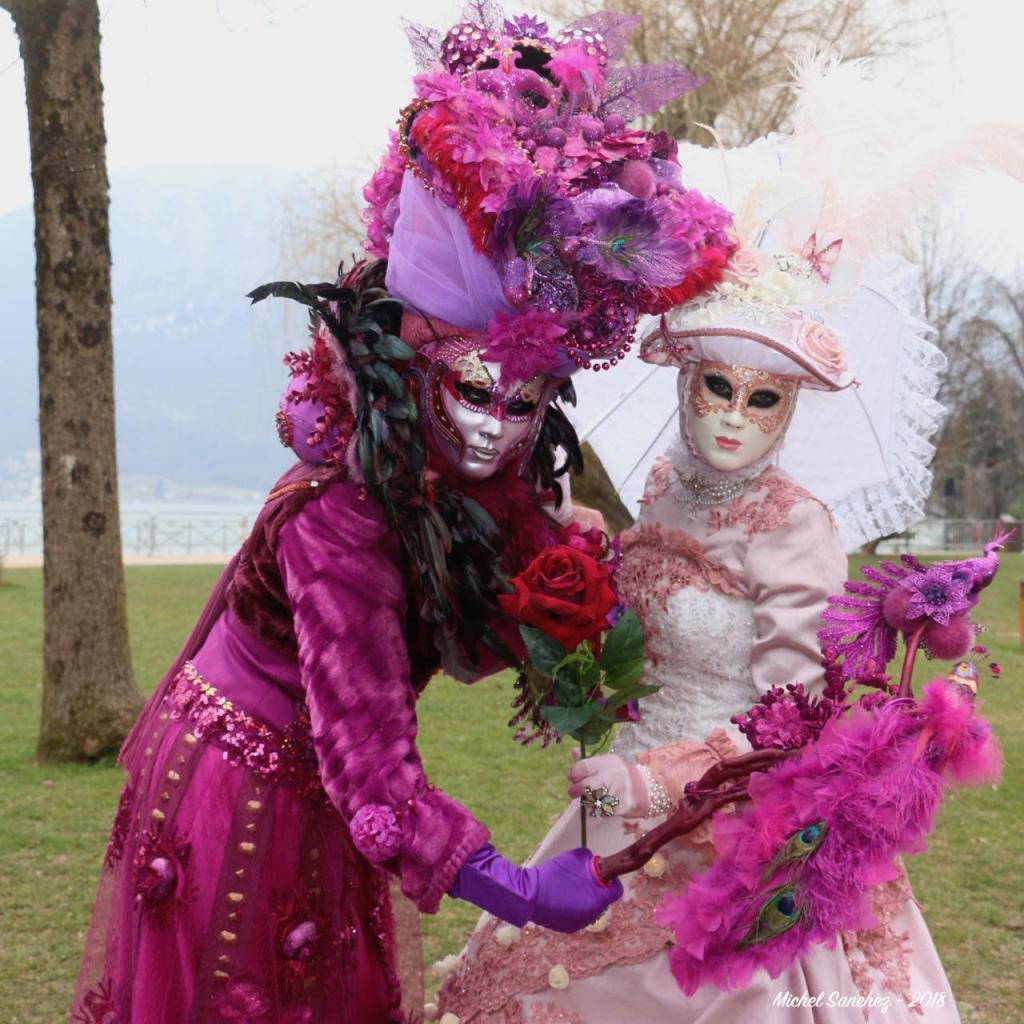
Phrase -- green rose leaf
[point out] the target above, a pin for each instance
(635, 692)
(565, 721)
(622, 657)
(545, 653)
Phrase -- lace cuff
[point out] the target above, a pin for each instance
(676, 764)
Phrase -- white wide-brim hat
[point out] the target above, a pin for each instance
(738, 332)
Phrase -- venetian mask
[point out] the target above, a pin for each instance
(481, 424)
(732, 416)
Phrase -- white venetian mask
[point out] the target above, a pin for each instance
(732, 416)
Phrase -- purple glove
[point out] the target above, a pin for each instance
(563, 894)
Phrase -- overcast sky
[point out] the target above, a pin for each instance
(308, 85)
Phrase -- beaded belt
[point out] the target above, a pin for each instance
(285, 756)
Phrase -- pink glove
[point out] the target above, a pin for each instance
(624, 782)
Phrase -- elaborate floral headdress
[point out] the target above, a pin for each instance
(513, 190)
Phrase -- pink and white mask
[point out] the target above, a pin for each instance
(733, 416)
(480, 424)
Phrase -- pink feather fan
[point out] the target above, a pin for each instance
(827, 820)
(876, 792)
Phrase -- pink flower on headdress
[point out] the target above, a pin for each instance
(743, 265)
(437, 85)
(821, 346)
(376, 833)
(381, 195)
(526, 344)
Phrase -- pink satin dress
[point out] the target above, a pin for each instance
(730, 598)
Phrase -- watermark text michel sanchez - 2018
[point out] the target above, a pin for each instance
(870, 1001)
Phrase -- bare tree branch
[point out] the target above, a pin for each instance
(979, 325)
(745, 50)
(325, 229)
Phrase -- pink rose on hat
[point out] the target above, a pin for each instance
(742, 266)
(821, 346)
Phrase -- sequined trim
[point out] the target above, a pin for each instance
(492, 975)
(762, 515)
(879, 957)
(470, 370)
(287, 757)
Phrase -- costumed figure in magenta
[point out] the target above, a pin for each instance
(274, 784)
(787, 375)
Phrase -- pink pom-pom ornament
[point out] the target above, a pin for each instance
(950, 642)
(376, 833)
(638, 178)
(895, 608)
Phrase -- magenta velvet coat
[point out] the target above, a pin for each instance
(232, 889)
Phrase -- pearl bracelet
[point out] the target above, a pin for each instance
(659, 802)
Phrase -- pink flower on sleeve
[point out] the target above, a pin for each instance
(376, 832)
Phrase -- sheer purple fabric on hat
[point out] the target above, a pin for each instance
(433, 268)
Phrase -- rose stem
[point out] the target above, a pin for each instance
(583, 806)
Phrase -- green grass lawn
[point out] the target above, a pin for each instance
(56, 817)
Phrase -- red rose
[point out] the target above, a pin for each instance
(564, 593)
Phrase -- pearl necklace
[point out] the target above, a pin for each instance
(699, 493)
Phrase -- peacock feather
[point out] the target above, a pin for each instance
(797, 848)
(777, 914)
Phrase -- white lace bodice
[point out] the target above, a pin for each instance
(699, 653)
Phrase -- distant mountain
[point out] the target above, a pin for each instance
(198, 371)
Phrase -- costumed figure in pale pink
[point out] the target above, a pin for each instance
(274, 783)
(730, 567)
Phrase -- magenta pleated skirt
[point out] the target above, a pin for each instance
(230, 888)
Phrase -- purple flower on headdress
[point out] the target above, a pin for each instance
(525, 26)
(534, 210)
(628, 243)
(376, 833)
(527, 344)
(938, 593)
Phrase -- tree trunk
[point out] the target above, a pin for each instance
(89, 694)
